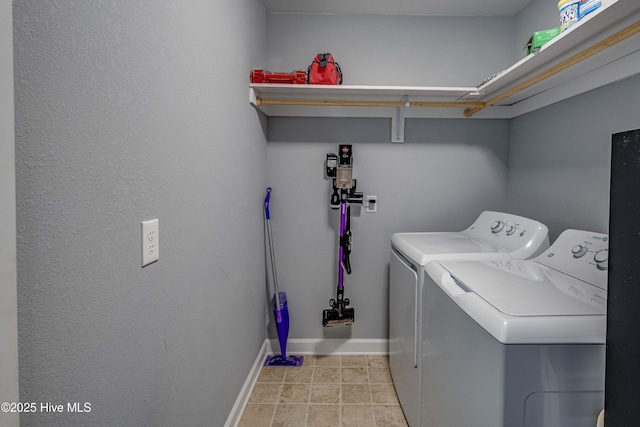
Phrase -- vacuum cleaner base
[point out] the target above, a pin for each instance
(332, 317)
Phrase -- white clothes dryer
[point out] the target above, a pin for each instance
(513, 343)
(493, 235)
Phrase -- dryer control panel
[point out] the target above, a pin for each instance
(523, 237)
(581, 254)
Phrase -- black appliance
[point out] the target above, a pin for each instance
(622, 383)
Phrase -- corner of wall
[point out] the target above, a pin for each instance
(8, 274)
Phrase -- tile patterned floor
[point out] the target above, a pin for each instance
(331, 391)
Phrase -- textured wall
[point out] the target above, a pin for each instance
(559, 157)
(446, 173)
(441, 178)
(8, 306)
(395, 50)
(538, 15)
(128, 111)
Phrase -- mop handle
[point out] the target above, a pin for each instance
(266, 203)
(273, 258)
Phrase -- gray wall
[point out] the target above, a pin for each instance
(395, 50)
(538, 15)
(445, 174)
(128, 111)
(559, 157)
(422, 185)
(131, 111)
(8, 306)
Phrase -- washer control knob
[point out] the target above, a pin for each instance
(601, 258)
(579, 251)
(497, 226)
(511, 229)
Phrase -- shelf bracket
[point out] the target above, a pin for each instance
(397, 122)
(253, 99)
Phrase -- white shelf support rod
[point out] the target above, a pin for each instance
(397, 122)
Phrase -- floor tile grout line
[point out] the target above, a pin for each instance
(371, 395)
(275, 408)
(306, 420)
(340, 405)
(373, 413)
(341, 397)
(279, 397)
(371, 362)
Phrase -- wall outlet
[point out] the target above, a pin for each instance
(150, 241)
(371, 204)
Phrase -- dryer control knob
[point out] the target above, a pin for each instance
(497, 226)
(511, 229)
(579, 251)
(601, 258)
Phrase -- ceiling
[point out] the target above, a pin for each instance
(400, 7)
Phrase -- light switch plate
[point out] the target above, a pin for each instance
(150, 241)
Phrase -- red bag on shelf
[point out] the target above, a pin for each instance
(324, 70)
(264, 76)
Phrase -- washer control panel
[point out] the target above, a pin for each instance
(579, 251)
(581, 254)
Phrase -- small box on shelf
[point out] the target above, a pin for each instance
(540, 38)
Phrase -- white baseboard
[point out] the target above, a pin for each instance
(322, 346)
(243, 397)
(317, 346)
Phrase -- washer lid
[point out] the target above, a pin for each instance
(424, 247)
(528, 289)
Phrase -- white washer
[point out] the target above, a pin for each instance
(512, 343)
(493, 235)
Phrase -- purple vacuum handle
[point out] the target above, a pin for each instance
(266, 203)
(343, 224)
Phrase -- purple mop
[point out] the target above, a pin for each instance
(280, 309)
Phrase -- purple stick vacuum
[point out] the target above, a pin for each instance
(339, 168)
(280, 309)
(340, 314)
